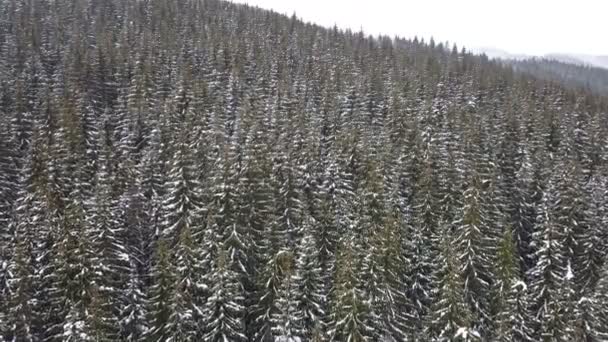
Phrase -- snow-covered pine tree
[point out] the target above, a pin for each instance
(181, 205)
(160, 296)
(22, 323)
(7, 189)
(224, 308)
(22, 120)
(270, 280)
(475, 245)
(134, 315)
(450, 312)
(547, 276)
(30, 226)
(137, 236)
(226, 207)
(593, 241)
(286, 321)
(189, 290)
(570, 207)
(43, 222)
(182, 227)
(422, 246)
(152, 173)
(349, 311)
(326, 234)
(312, 298)
(286, 176)
(511, 318)
(383, 264)
(599, 302)
(106, 234)
(72, 279)
(252, 195)
(528, 196)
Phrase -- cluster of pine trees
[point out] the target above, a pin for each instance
(196, 170)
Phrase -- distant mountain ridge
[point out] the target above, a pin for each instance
(591, 60)
(572, 74)
(599, 61)
(495, 53)
(573, 71)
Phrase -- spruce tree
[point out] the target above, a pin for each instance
(474, 242)
(224, 308)
(599, 300)
(547, 277)
(450, 311)
(422, 247)
(160, 297)
(511, 321)
(106, 233)
(349, 315)
(312, 300)
(24, 315)
(286, 321)
(21, 320)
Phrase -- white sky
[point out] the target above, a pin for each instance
(518, 26)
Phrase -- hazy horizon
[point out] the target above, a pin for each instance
(518, 26)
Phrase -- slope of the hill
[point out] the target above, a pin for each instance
(195, 170)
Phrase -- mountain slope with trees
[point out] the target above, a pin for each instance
(196, 170)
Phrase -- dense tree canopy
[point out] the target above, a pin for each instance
(196, 170)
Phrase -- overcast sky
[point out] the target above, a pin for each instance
(518, 26)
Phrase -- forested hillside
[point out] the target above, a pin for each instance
(195, 170)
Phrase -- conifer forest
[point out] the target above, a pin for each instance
(198, 170)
